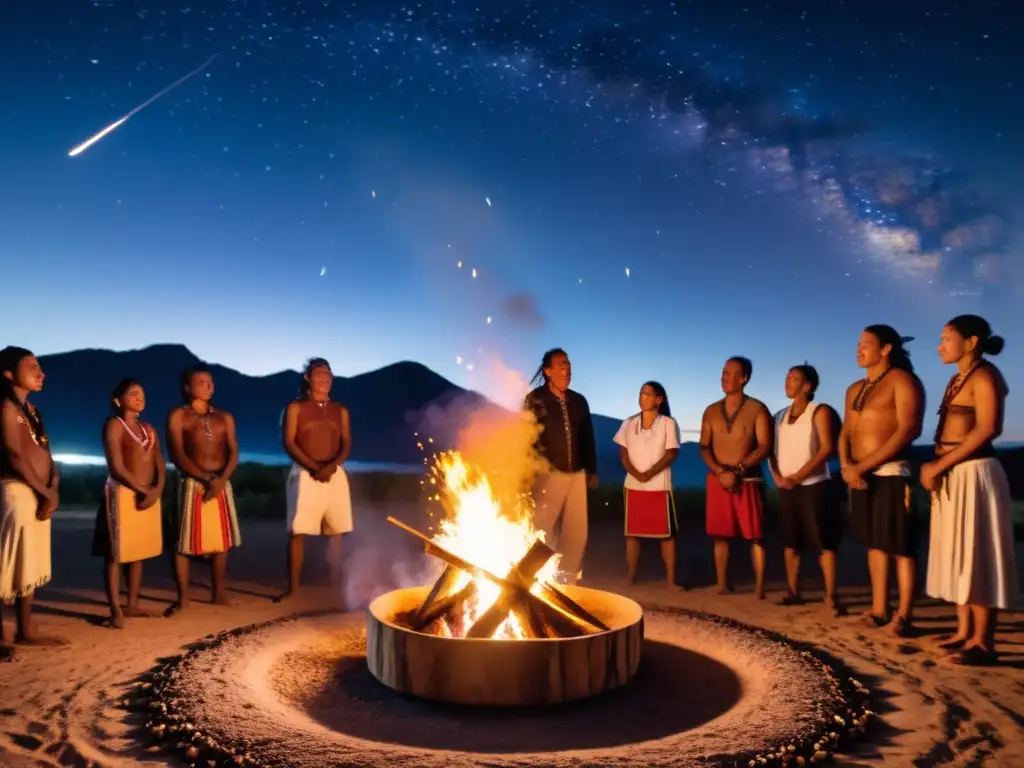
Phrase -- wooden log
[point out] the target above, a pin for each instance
(444, 607)
(566, 603)
(564, 623)
(522, 573)
(504, 673)
(442, 588)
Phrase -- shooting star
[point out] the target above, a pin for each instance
(115, 125)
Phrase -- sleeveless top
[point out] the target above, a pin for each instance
(796, 444)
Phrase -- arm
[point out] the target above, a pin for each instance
(176, 448)
(13, 435)
(288, 433)
(826, 446)
(663, 463)
(671, 447)
(346, 438)
(764, 431)
(113, 435)
(987, 407)
(231, 441)
(706, 450)
(843, 444)
(908, 426)
(161, 467)
(627, 464)
(588, 448)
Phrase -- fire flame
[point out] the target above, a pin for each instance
(486, 531)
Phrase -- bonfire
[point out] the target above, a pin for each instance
(498, 571)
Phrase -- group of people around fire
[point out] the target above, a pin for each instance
(971, 560)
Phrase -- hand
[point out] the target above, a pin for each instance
(214, 488)
(147, 499)
(853, 477)
(48, 505)
(930, 476)
(786, 483)
(324, 474)
(727, 478)
(592, 481)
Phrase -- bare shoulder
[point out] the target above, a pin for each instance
(759, 408)
(906, 381)
(989, 376)
(225, 415)
(853, 389)
(712, 410)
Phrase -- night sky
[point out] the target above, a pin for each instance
(653, 185)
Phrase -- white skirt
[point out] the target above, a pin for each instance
(316, 508)
(971, 553)
(24, 542)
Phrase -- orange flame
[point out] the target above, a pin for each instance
(487, 532)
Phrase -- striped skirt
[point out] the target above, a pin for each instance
(206, 527)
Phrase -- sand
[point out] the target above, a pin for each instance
(63, 706)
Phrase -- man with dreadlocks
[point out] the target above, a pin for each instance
(884, 414)
(317, 436)
(569, 456)
(28, 495)
(202, 444)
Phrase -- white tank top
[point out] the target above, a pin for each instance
(796, 443)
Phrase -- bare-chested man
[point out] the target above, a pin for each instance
(736, 435)
(317, 436)
(202, 444)
(28, 496)
(129, 527)
(883, 417)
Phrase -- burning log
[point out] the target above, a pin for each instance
(522, 573)
(571, 606)
(441, 588)
(562, 622)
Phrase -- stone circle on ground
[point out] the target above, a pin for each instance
(297, 692)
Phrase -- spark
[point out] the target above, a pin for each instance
(459, 264)
(373, 193)
(488, 319)
(458, 359)
(488, 201)
(121, 121)
(323, 270)
(474, 272)
(627, 271)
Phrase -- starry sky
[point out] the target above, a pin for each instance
(652, 185)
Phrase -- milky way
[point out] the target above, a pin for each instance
(453, 180)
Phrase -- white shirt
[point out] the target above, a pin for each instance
(646, 447)
(796, 443)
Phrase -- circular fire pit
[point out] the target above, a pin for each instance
(496, 672)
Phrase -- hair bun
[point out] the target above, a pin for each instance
(993, 345)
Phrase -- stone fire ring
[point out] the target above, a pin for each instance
(484, 672)
(298, 692)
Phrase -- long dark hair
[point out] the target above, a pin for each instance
(313, 362)
(974, 325)
(119, 391)
(545, 362)
(887, 335)
(659, 390)
(10, 359)
(186, 380)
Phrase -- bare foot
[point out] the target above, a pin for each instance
(175, 608)
(720, 589)
(873, 619)
(221, 600)
(950, 643)
(630, 580)
(837, 609)
(116, 620)
(675, 587)
(6, 651)
(760, 594)
(284, 596)
(40, 641)
(900, 626)
(134, 612)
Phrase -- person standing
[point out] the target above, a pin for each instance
(884, 413)
(317, 437)
(648, 444)
(203, 446)
(805, 439)
(735, 437)
(128, 523)
(566, 446)
(28, 496)
(971, 560)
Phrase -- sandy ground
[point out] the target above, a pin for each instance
(59, 706)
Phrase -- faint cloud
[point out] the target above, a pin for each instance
(521, 309)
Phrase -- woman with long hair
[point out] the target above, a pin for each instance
(648, 444)
(128, 522)
(971, 560)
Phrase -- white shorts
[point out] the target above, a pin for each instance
(316, 508)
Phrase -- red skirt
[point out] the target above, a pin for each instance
(650, 514)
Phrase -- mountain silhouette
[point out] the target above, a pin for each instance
(388, 406)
